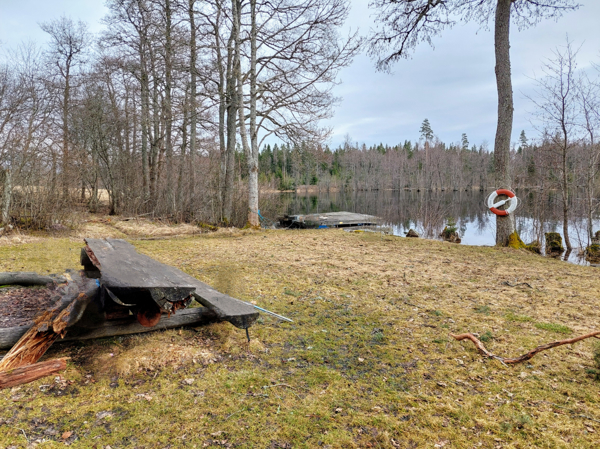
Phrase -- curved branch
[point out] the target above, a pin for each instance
(483, 351)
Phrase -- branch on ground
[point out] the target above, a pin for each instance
(483, 351)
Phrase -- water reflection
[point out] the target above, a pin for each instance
(429, 212)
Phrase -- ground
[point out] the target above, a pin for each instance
(367, 362)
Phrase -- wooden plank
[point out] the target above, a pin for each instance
(127, 273)
(29, 373)
(239, 313)
(123, 326)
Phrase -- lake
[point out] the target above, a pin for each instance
(429, 212)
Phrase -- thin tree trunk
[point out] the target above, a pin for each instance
(565, 196)
(232, 109)
(253, 159)
(193, 106)
(504, 225)
(168, 114)
(145, 120)
(65, 130)
(7, 196)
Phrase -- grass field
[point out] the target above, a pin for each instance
(368, 361)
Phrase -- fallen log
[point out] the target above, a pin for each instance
(72, 300)
(29, 373)
(27, 278)
(123, 326)
(483, 351)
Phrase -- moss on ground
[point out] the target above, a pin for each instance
(367, 361)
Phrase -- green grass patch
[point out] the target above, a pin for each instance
(553, 327)
(485, 310)
(487, 336)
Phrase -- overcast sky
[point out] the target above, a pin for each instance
(452, 85)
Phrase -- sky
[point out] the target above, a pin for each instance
(453, 85)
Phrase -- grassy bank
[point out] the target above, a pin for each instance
(367, 362)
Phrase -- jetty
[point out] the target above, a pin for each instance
(329, 220)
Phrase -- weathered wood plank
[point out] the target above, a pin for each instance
(29, 373)
(123, 326)
(126, 272)
(239, 313)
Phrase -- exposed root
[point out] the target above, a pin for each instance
(479, 345)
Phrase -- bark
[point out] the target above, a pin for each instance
(29, 373)
(504, 225)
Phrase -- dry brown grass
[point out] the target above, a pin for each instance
(367, 362)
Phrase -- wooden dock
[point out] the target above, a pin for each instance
(329, 220)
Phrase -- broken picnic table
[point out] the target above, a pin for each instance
(120, 291)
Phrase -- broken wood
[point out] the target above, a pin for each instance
(72, 301)
(144, 281)
(29, 278)
(29, 373)
(483, 351)
(122, 326)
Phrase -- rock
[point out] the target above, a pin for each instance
(412, 233)
(554, 243)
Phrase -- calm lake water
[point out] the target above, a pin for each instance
(429, 212)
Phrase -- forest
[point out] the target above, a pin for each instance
(173, 109)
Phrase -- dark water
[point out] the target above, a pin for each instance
(429, 212)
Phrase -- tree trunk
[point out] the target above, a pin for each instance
(193, 107)
(505, 226)
(6, 196)
(253, 217)
(65, 131)
(565, 196)
(145, 122)
(168, 114)
(232, 110)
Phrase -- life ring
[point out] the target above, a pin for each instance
(514, 202)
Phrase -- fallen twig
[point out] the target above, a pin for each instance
(479, 345)
(516, 285)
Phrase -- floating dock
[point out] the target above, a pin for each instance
(329, 220)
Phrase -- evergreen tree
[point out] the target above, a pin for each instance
(426, 131)
(464, 141)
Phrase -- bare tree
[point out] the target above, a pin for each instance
(402, 24)
(68, 43)
(557, 108)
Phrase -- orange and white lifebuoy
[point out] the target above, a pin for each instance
(514, 202)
